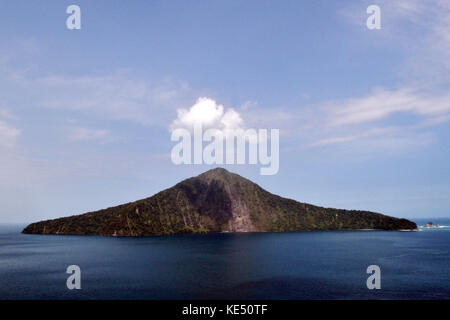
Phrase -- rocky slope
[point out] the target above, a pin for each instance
(215, 201)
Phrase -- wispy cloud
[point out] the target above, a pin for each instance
(7, 114)
(384, 103)
(420, 28)
(116, 97)
(8, 133)
(375, 116)
(119, 96)
(354, 136)
(383, 117)
(85, 134)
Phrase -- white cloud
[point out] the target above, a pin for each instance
(6, 114)
(119, 96)
(368, 117)
(383, 103)
(421, 28)
(353, 136)
(8, 134)
(391, 116)
(209, 114)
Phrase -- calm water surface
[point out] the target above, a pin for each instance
(297, 265)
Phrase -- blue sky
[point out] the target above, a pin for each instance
(363, 114)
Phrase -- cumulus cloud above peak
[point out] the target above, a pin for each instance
(209, 114)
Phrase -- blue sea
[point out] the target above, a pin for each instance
(294, 265)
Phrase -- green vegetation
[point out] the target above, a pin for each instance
(215, 201)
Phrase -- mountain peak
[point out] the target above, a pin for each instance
(218, 170)
(218, 174)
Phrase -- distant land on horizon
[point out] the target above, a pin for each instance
(215, 201)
